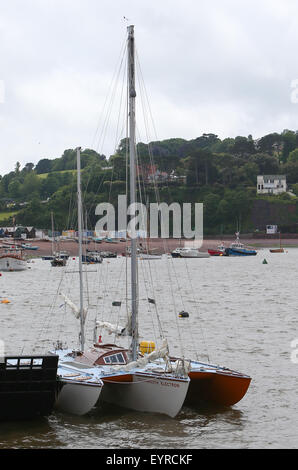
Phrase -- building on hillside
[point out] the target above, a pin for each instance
(271, 229)
(271, 184)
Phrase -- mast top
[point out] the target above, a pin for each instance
(130, 29)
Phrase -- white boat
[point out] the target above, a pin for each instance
(187, 252)
(149, 256)
(12, 260)
(78, 390)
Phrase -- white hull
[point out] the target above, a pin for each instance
(145, 256)
(193, 254)
(148, 393)
(78, 398)
(8, 263)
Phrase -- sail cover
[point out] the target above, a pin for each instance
(74, 308)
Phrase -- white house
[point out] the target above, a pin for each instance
(271, 184)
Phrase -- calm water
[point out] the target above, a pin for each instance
(243, 315)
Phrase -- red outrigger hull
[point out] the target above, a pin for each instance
(220, 388)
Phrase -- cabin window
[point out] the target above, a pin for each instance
(115, 359)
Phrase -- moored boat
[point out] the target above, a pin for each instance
(238, 249)
(219, 251)
(188, 252)
(28, 246)
(278, 250)
(27, 386)
(92, 257)
(12, 259)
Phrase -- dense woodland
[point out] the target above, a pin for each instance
(220, 173)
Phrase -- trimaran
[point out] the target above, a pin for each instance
(153, 382)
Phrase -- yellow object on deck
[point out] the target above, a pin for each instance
(5, 301)
(147, 347)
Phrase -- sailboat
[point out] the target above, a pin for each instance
(280, 249)
(142, 377)
(133, 380)
(78, 390)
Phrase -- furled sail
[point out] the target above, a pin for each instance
(117, 329)
(74, 308)
(161, 353)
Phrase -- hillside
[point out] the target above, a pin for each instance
(220, 173)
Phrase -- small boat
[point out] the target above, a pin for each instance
(97, 240)
(12, 259)
(62, 254)
(143, 254)
(28, 246)
(149, 256)
(108, 254)
(92, 257)
(278, 250)
(219, 251)
(189, 253)
(238, 249)
(110, 240)
(57, 261)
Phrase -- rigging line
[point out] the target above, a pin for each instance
(152, 160)
(104, 289)
(119, 310)
(118, 123)
(109, 111)
(103, 135)
(126, 192)
(120, 58)
(175, 309)
(142, 82)
(161, 335)
(157, 315)
(49, 317)
(196, 303)
(148, 261)
(124, 81)
(158, 199)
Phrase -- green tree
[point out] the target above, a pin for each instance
(43, 166)
(293, 156)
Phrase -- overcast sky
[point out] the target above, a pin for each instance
(224, 67)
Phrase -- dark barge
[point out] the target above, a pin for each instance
(27, 386)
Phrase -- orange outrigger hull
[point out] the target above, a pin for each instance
(219, 388)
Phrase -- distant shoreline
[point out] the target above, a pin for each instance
(157, 246)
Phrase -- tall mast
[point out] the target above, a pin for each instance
(52, 220)
(82, 334)
(132, 123)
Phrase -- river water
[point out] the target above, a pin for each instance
(243, 314)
